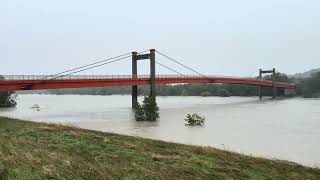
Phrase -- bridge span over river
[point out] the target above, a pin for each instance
(68, 79)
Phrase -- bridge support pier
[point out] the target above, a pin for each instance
(260, 87)
(135, 58)
(152, 74)
(274, 88)
(134, 91)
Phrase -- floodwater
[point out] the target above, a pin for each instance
(286, 129)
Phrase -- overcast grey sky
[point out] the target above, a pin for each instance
(229, 37)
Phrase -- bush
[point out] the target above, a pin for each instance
(149, 111)
(138, 112)
(184, 93)
(7, 98)
(150, 108)
(223, 93)
(206, 93)
(194, 120)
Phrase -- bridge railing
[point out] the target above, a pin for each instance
(50, 77)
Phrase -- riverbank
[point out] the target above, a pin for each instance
(31, 150)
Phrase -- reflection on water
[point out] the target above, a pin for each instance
(284, 129)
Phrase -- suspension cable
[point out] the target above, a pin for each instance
(250, 75)
(91, 64)
(176, 61)
(91, 67)
(170, 69)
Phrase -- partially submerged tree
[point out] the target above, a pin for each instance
(7, 98)
(138, 112)
(150, 108)
(149, 111)
(194, 120)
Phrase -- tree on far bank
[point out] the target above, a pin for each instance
(184, 93)
(310, 87)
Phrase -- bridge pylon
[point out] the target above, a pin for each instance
(135, 58)
(274, 88)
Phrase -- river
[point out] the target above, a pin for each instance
(286, 129)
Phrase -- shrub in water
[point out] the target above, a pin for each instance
(194, 120)
(150, 108)
(149, 111)
(8, 99)
(138, 112)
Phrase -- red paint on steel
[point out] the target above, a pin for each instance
(16, 85)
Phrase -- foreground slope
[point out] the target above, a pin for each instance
(42, 151)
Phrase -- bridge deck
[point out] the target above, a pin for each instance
(36, 82)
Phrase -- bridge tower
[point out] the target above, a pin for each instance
(274, 88)
(135, 58)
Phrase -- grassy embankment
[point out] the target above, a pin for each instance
(42, 151)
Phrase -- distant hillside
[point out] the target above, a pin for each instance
(305, 74)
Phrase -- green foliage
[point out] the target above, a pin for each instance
(184, 93)
(194, 120)
(31, 150)
(168, 90)
(224, 93)
(149, 111)
(280, 77)
(309, 87)
(206, 93)
(138, 112)
(7, 98)
(150, 108)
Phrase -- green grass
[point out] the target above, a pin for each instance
(45, 151)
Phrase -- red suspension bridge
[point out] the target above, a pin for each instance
(68, 79)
